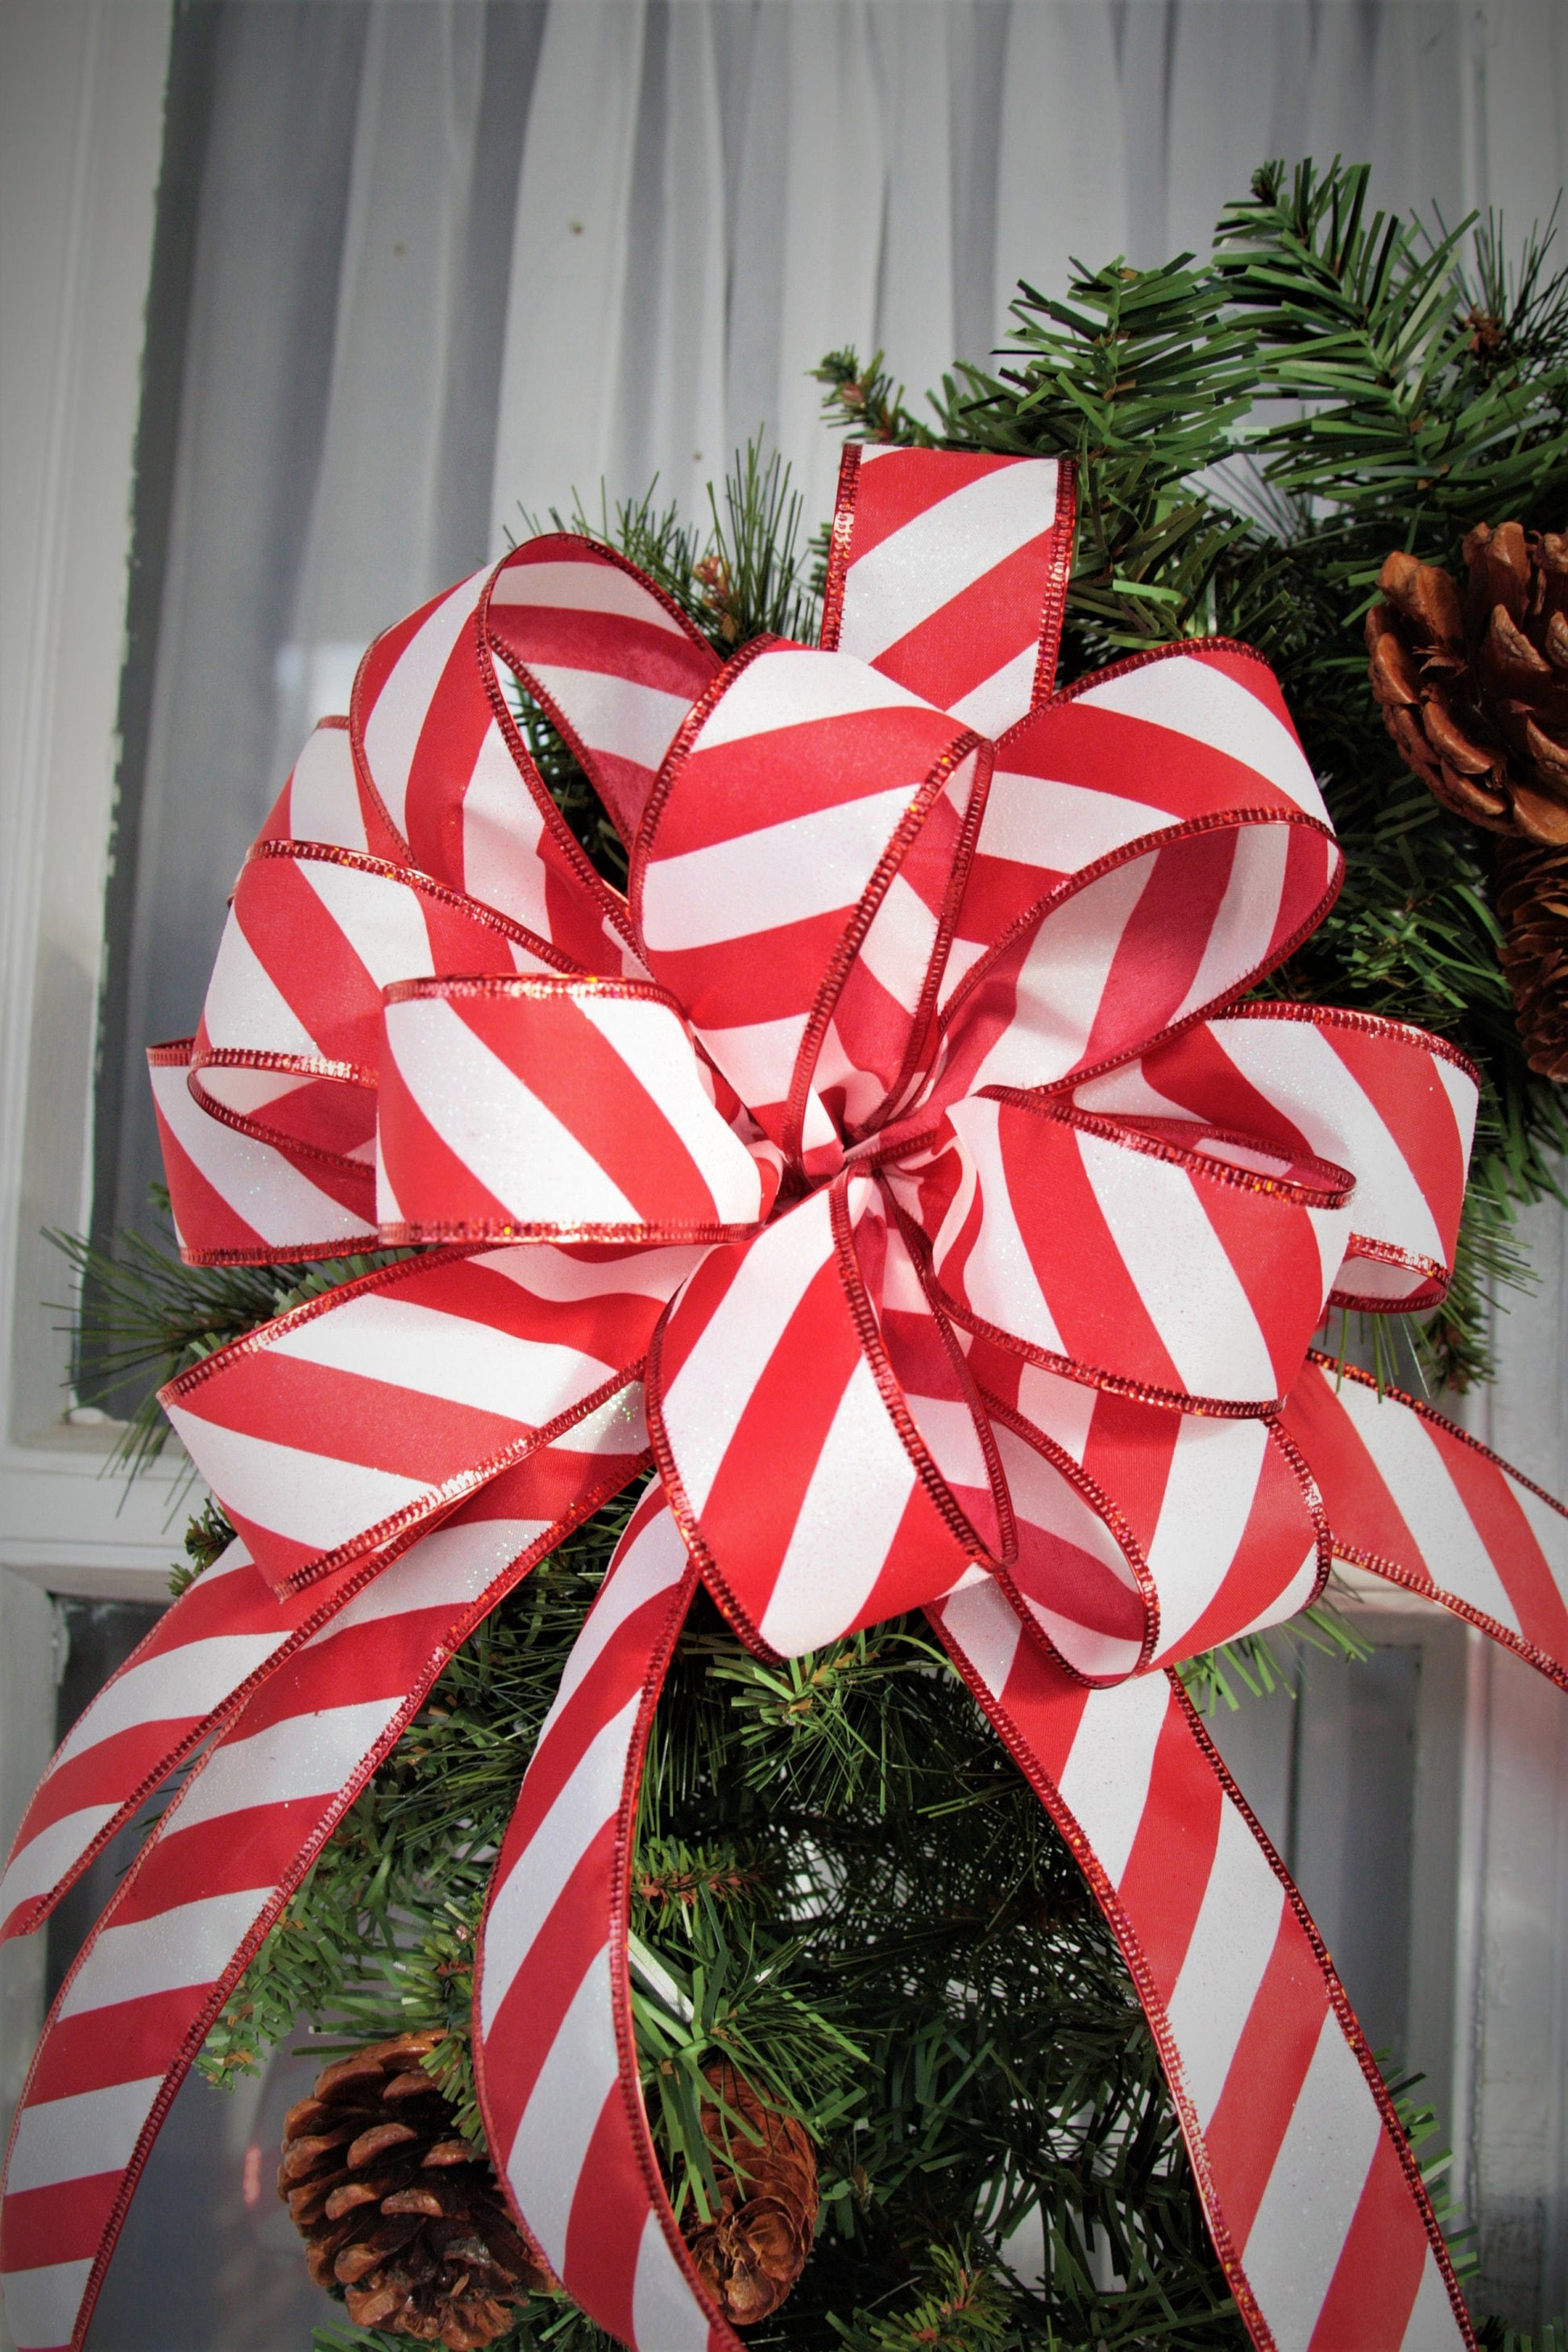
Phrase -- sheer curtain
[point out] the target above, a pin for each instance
(455, 259)
(712, 196)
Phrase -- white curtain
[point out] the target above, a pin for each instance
(715, 192)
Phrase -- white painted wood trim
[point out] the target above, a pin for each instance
(70, 1523)
(81, 125)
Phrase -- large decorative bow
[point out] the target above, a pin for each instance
(897, 1165)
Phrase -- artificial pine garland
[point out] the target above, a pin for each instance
(848, 1900)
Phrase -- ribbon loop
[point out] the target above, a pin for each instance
(553, 1109)
(347, 1426)
(315, 933)
(1145, 1535)
(1167, 1260)
(236, 1200)
(1154, 842)
(949, 573)
(608, 655)
(288, 1048)
(1392, 1102)
(454, 793)
(326, 799)
(1421, 1502)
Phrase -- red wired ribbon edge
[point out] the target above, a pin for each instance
(896, 1166)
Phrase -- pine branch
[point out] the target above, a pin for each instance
(1264, 1663)
(867, 402)
(1410, 409)
(1143, 378)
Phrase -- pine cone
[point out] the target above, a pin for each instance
(397, 2209)
(1473, 685)
(1532, 906)
(751, 2254)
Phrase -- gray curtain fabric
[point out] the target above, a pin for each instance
(336, 434)
(256, 377)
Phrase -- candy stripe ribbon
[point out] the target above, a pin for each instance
(221, 1638)
(897, 1169)
(1424, 1504)
(1311, 2194)
(564, 2114)
(199, 1898)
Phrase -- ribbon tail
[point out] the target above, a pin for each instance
(203, 1894)
(203, 1660)
(554, 2049)
(1414, 1500)
(1313, 2197)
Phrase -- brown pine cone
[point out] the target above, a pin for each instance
(1473, 683)
(1532, 906)
(751, 2254)
(396, 2211)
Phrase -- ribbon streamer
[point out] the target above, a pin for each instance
(897, 1169)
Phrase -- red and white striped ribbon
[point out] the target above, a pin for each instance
(236, 1199)
(789, 1448)
(566, 1109)
(1153, 841)
(202, 1893)
(1392, 1103)
(1161, 1257)
(200, 1661)
(437, 742)
(1422, 1503)
(616, 665)
(290, 1033)
(778, 885)
(342, 1427)
(949, 573)
(1144, 1535)
(553, 2045)
(967, 1236)
(1312, 2196)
